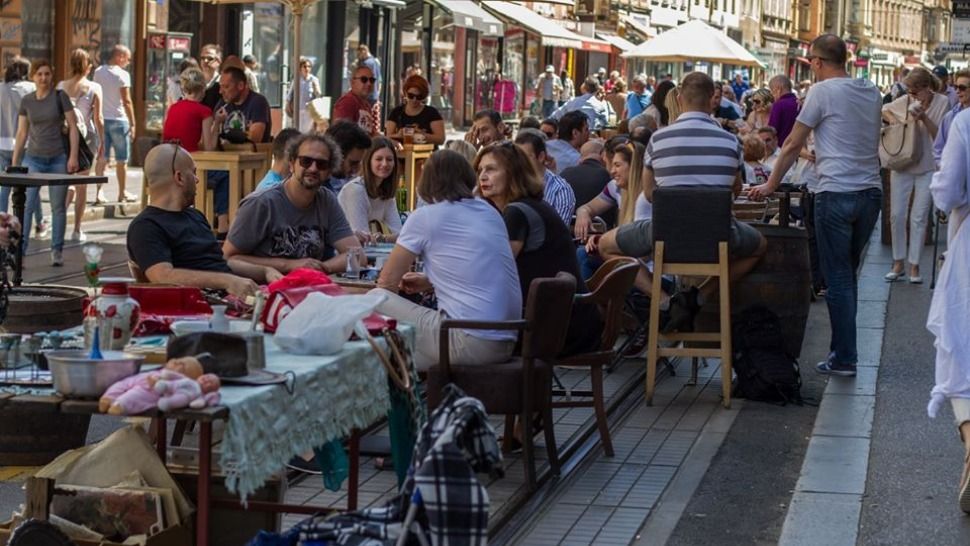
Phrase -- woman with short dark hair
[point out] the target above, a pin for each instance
(468, 262)
(370, 197)
(425, 120)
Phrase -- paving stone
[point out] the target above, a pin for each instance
(874, 291)
(871, 314)
(619, 485)
(649, 487)
(869, 346)
(554, 524)
(622, 527)
(676, 410)
(589, 484)
(845, 415)
(648, 446)
(835, 465)
(674, 448)
(821, 519)
(588, 526)
(864, 383)
(625, 440)
(700, 411)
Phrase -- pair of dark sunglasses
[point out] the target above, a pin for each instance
(412, 96)
(366, 79)
(177, 143)
(306, 161)
(961, 87)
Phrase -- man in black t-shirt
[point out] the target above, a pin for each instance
(589, 177)
(171, 242)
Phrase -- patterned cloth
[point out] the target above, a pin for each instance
(560, 196)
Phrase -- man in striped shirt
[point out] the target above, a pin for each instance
(558, 193)
(693, 151)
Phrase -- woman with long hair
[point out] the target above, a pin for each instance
(656, 115)
(468, 263)
(761, 101)
(371, 197)
(39, 133)
(86, 96)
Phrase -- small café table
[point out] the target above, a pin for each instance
(243, 168)
(414, 157)
(20, 182)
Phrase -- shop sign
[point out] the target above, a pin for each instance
(596, 46)
(861, 63)
(179, 43)
(156, 41)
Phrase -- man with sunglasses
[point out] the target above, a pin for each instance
(355, 106)
(171, 242)
(962, 87)
(294, 225)
(364, 58)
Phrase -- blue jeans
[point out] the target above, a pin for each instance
(6, 159)
(116, 137)
(843, 224)
(587, 264)
(548, 107)
(219, 182)
(58, 195)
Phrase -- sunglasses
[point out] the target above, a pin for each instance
(756, 101)
(208, 59)
(961, 87)
(177, 144)
(412, 96)
(550, 135)
(366, 79)
(321, 163)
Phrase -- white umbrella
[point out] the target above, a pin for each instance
(693, 41)
(296, 7)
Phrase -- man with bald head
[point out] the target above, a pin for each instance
(590, 176)
(784, 110)
(170, 240)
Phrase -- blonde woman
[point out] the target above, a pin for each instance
(761, 101)
(673, 106)
(86, 97)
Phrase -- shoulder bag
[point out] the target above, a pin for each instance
(85, 158)
(899, 144)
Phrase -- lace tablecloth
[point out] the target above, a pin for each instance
(331, 396)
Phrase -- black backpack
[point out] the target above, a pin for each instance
(765, 371)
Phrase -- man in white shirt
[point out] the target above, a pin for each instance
(119, 117)
(596, 110)
(845, 115)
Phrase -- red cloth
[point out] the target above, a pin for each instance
(352, 108)
(184, 122)
(504, 96)
(299, 278)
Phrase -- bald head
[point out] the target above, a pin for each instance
(591, 150)
(158, 164)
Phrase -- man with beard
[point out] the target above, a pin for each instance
(291, 225)
(171, 242)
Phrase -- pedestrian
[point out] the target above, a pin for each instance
(86, 97)
(568, 88)
(638, 99)
(925, 106)
(943, 75)
(962, 79)
(739, 85)
(16, 85)
(947, 318)
(40, 148)
(548, 87)
(252, 72)
(422, 121)
(188, 121)
(355, 105)
(617, 98)
(119, 119)
(589, 104)
(309, 90)
(784, 109)
(365, 59)
(844, 113)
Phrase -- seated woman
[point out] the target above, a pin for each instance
(468, 262)
(428, 125)
(540, 242)
(371, 196)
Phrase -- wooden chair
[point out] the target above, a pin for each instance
(609, 287)
(691, 228)
(523, 386)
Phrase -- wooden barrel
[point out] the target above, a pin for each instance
(781, 282)
(40, 308)
(33, 437)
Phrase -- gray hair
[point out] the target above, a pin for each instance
(782, 81)
(640, 78)
(192, 81)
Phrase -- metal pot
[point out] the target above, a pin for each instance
(77, 375)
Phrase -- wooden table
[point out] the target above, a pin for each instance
(20, 183)
(243, 169)
(414, 157)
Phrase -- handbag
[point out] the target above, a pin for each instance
(899, 144)
(85, 158)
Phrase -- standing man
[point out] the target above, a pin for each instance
(210, 60)
(364, 58)
(119, 118)
(962, 79)
(639, 97)
(845, 115)
(941, 72)
(355, 105)
(549, 86)
(589, 104)
(739, 86)
(784, 110)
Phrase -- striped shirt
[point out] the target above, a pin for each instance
(694, 151)
(559, 194)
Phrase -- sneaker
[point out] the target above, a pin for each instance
(57, 258)
(302, 465)
(827, 367)
(127, 197)
(42, 228)
(683, 310)
(99, 197)
(965, 486)
(79, 236)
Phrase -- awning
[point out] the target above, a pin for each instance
(552, 33)
(618, 42)
(692, 42)
(597, 45)
(468, 14)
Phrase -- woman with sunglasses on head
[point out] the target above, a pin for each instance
(370, 198)
(927, 107)
(425, 121)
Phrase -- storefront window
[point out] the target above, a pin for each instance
(37, 23)
(117, 26)
(532, 69)
(442, 76)
(350, 43)
(486, 72)
(514, 61)
(268, 36)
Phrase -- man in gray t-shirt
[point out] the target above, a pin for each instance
(293, 224)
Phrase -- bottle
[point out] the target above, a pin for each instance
(402, 199)
(219, 322)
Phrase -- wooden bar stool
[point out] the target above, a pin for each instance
(691, 228)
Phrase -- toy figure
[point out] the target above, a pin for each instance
(177, 391)
(137, 394)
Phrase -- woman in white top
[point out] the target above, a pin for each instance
(371, 196)
(468, 261)
(927, 106)
(16, 85)
(309, 90)
(86, 96)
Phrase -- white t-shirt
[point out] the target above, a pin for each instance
(360, 209)
(112, 79)
(845, 114)
(642, 209)
(468, 259)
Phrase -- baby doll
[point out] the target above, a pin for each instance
(136, 394)
(177, 391)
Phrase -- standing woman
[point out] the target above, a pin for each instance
(309, 90)
(925, 105)
(568, 92)
(16, 85)
(42, 114)
(86, 96)
(414, 113)
(371, 196)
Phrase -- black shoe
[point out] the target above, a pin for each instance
(683, 310)
(636, 347)
(827, 367)
(300, 464)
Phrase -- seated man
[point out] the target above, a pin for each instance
(291, 225)
(557, 193)
(692, 151)
(281, 165)
(353, 142)
(487, 128)
(172, 243)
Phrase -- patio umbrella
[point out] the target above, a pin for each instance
(296, 8)
(693, 41)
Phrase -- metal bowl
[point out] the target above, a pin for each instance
(77, 375)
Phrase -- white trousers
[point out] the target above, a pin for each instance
(904, 185)
(463, 348)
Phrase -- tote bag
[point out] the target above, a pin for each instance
(899, 144)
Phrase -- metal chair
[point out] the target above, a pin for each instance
(522, 386)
